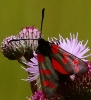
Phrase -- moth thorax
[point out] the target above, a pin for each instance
(44, 47)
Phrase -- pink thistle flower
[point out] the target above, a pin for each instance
(30, 33)
(32, 69)
(73, 46)
(16, 49)
(38, 95)
(12, 50)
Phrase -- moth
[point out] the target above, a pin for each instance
(53, 62)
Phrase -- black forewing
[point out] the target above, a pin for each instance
(71, 63)
(52, 77)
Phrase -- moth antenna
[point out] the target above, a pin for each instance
(42, 20)
(20, 40)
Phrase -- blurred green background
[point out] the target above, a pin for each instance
(61, 16)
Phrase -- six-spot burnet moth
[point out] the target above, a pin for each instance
(55, 62)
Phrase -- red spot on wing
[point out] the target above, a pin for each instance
(48, 83)
(76, 69)
(65, 54)
(65, 60)
(41, 58)
(52, 85)
(54, 48)
(47, 72)
(58, 67)
(75, 61)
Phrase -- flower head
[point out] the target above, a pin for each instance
(11, 50)
(73, 46)
(14, 48)
(38, 95)
(30, 33)
(32, 69)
